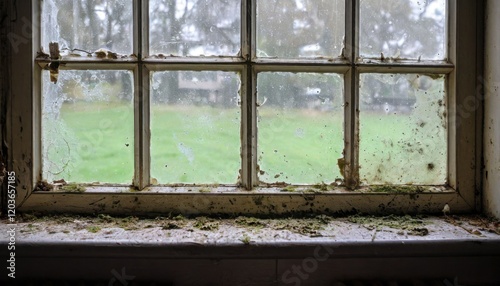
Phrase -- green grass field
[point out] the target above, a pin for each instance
(94, 143)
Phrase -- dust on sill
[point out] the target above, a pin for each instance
(250, 230)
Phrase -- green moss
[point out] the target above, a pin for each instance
(178, 217)
(396, 189)
(28, 217)
(204, 190)
(73, 188)
(245, 239)
(322, 187)
(288, 189)
(323, 219)
(93, 229)
(37, 217)
(305, 227)
(204, 223)
(249, 222)
(414, 225)
(128, 223)
(105, 218)
(173, 225)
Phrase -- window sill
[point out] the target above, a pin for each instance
(347, 248)
(280, 201)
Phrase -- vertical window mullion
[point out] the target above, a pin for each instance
(351, 86)
(144, 29)
(248, 101)
(37, 97)
(252, 96)
(141, 98)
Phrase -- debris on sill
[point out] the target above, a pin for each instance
(43, 186)
(204, 223)
(412, 190)
(290, 189)
(396, 189)
(317, 188)
(250, 230)
(475, 224)
(412, 225)
(59, 186)
(72, 188)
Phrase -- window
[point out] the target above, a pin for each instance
(325, 97)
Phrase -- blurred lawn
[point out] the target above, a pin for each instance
(202, 145)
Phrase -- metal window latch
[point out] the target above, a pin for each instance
(55, 55)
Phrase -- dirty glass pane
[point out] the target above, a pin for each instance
(403, 29)
(88, 127)
(194, 28)
(195, 127)
(402, 129)
(88, 24)
(300, 125)
(302, 28)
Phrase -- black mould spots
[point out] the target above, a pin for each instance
(258, 200)
(308, 197)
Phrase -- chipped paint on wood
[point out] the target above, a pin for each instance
(20, 111)
(233, 201)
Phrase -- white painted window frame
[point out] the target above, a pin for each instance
(464, 151)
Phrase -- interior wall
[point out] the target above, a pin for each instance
(492, 110)
(4, 91)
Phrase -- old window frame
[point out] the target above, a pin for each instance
(464, 76)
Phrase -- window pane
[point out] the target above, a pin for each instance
(402, 129)
(195, 28)
(302, 28)
(88, 127)
(88, 24)
(300, 127)
(403, 28)
(195, 127)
